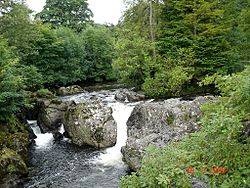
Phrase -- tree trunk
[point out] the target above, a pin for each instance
(151, 25)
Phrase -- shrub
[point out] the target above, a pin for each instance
(217, 155)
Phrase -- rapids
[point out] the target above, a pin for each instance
(62, 164)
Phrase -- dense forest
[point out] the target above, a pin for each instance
(165, 48)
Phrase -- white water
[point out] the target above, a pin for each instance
(43, 140)
(121, 113)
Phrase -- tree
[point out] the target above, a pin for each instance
(142, 17)
(197, 38)
(99, 49)
(134, 56)
(59, 57)
(12, 96)
(16, 26)
(200, 37)
(6, 5)
(68, 13)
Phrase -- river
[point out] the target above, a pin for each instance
(56, 164)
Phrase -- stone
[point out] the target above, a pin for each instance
(158, 123)
(91, 123)
(125, 95)
(51, 114)
(12, 168)
(70, 90)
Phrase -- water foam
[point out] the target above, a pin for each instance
(43, 140)
(121, 113)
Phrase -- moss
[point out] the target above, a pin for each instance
(14, 147)
(170, 119)
(187, 117)
(11, 163)
(99, 134)
(11, 169)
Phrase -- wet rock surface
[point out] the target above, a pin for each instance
(51, 112)
(14, 149)
(159, 123)
(91, 123)
(61, 163)
(126, 95)
(70, 90)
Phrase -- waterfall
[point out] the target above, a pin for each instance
(63, 164)
(43, 140)
(121, 113)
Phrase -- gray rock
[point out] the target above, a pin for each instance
(124, 95)
(51, 114)
(91, 123)
(196, 183)
(70, 90)
(57, 136)
(158, 123)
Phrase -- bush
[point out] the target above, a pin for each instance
(217, 155)
(44, 93)
(133, 58)
(166, 83)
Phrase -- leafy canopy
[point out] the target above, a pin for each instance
(68, 13)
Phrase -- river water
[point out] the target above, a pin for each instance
(58, 164)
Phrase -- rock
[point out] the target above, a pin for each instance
(91, 123)
(70, 90)
(57, 136)
(51, 114)
(124, 95)
(198, 184)
(12, 167)
(19, 142)
(246, 131)
(159, 123)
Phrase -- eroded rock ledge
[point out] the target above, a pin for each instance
(159, 123)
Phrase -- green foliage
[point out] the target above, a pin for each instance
(217, 155)
(12, 97)
(65, 57)
(20, 32)
(197, 38)
(98, 43)
(68, 13)
(44, 93)
(133, 58)
(60, 53)
(166, 82)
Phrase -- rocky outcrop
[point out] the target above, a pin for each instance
(91, 123)
(159, 123)
(70, 90)
(51, 112)
(14, 150)
(12, 167)
(125, 95)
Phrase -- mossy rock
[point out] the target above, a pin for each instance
(91, 123)
(11, 164)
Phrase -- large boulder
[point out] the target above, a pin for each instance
(159, 123)
(91, 123)
(126, 95)
(70, 90)
(51, 112)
